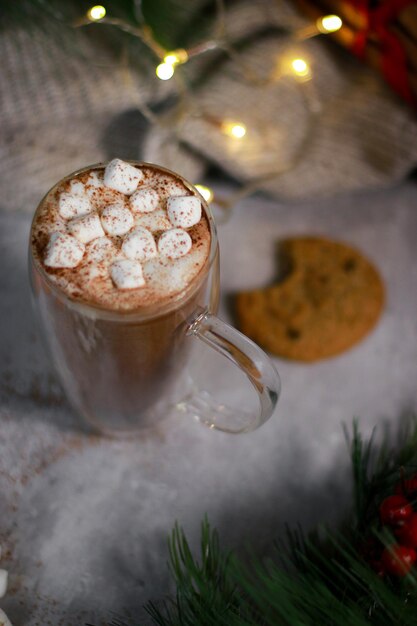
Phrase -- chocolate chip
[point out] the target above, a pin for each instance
(349, 265)
(293, 333)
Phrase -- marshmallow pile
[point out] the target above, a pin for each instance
(89, 232)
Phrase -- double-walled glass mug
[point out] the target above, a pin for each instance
(126, 370)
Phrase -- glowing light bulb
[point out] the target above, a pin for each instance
(96, 13)
(300, 68)
(206, 192)
(165, 71)
(329, 24)
(176, 57)
(238, 131)
(234, 129)
(171, 59)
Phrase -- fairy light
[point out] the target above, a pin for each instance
(165, 71)
(170, 59)
(300, 68)
(237, 130)
(177, 57)
(206, 192)
(329, 24)
(96, 13)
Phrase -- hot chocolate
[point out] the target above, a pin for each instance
(122, 237)
(120, 261)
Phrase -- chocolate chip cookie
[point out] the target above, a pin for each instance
(329, 299)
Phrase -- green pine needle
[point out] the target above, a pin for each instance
(205, 592)
(318, 580)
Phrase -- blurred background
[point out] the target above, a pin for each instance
(256, 90)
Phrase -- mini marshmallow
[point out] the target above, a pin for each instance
(63, 251)
(155, 221)
(86, 228)
(93, 183)
(127, 274)
(94, 180)
(144, 200)
(4, 620)
(73, 205)
(184, 211)
(92, 272)
(100, 249)
(171, 188)
(139, 245)
(3, 582)
(174, 243)
(77, 187)
(117, 219)
(102, 197)
(122, 176)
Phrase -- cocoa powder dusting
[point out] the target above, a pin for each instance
(90, 281)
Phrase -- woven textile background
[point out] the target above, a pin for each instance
(61, 109)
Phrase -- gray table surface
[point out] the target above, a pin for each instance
(84, 521)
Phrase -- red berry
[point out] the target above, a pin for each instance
(398, 560)
(407, 532)
(395, 509)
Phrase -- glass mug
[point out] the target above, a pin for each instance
(126, 370)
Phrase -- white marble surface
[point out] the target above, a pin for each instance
(84, 521)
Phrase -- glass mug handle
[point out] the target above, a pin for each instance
(248, 357)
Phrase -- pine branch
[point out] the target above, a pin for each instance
(205, 593)
(375, 472)
(321, 579)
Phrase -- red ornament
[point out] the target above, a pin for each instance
(379, 17)
(395, 510)
(407, 533)
(398, 560)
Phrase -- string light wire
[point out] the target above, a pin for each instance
(171, 60)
